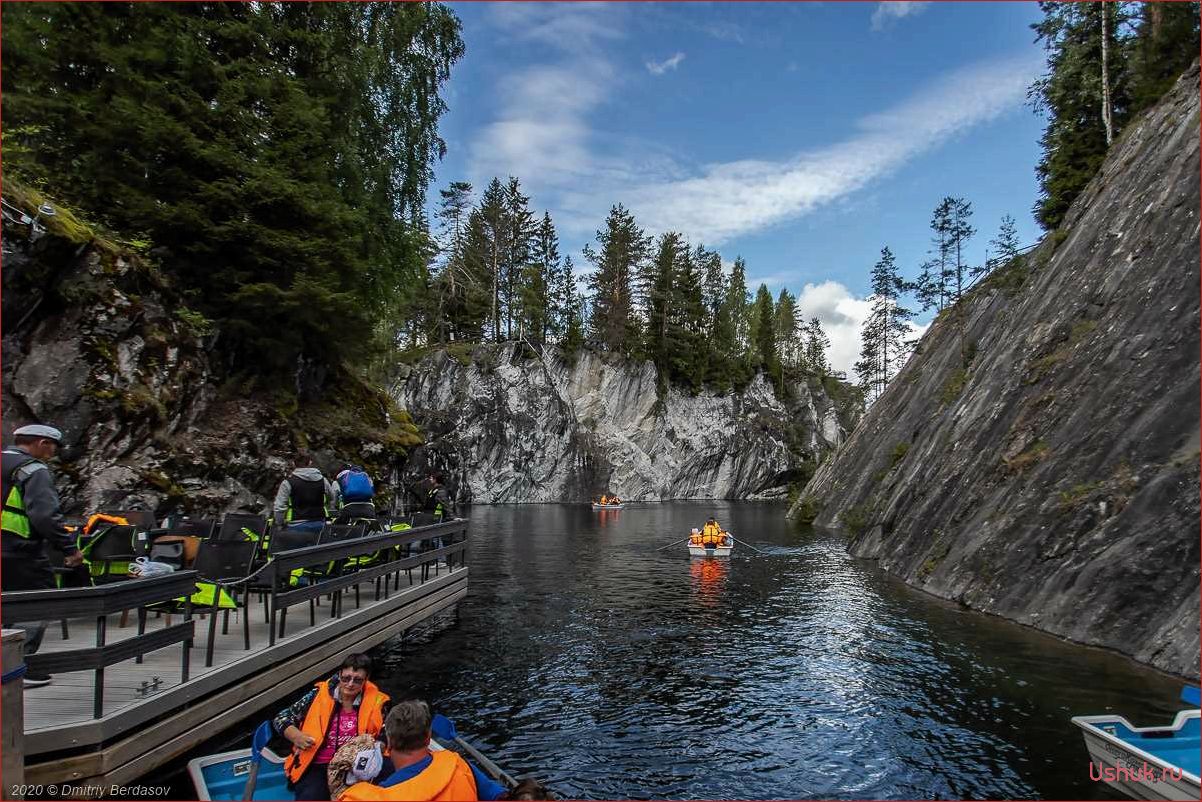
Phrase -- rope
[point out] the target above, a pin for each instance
(15, 674)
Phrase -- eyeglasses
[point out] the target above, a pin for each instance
(351, 679)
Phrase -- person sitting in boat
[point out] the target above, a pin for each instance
(604, 499)
(615, 500)
(712, 535)
(419, 774)
(335, 711)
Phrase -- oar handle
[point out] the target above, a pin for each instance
(745, 543)
(673, 543)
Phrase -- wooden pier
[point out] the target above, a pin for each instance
(134, 691)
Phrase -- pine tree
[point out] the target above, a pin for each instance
(765, 330)
(786, 329)
(884, 348)
(959, 232)
(495, 222)
(1004, 246)
(1076, 99)
(1165, 43)
(520, 229)
(660, 285)
(737, 305)
(816, 346)
(688, 351)
(621, 249)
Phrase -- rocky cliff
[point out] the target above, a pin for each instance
(510, 426)
(97, 343)
(1038, 458)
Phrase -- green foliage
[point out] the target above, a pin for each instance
(278, 152)
(1144, 54)
(953, 386)
(197, 324)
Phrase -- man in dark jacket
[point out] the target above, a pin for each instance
(305, 499)
(438, 500)
(32, 518)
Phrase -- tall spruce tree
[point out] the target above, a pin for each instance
(621, 249)
(521, 230)
(1003, 247)
(660, 287)
(817, 343)
(787, 344)
(495, 222)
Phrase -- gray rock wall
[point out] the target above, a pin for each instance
(511, 428)
(1056, 480)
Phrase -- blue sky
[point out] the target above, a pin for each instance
(803, 137)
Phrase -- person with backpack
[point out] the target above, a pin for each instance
(305, 498)
(355, 492)
(32, 519)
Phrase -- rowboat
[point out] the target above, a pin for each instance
(597, 506)
(713, 551)
(1146, 762)
(224, 776)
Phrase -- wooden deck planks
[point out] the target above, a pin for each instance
(140, 751)
(69, 698)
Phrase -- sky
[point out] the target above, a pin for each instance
(804, 137)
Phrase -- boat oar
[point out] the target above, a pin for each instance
(444, 729)
(745, 543)
(673, 543)
(257, 744)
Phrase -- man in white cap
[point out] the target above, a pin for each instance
(32, 517)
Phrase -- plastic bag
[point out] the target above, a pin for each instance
(144, 568)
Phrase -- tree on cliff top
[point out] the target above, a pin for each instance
(279, 152)
(621, 249)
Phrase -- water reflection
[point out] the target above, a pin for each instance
(708, 578)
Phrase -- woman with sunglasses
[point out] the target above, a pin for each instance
(335, 711)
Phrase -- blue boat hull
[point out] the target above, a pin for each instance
(224, 777)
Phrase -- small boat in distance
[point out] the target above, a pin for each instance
(1146, 762)
(608, 502)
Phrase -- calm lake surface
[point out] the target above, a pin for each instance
(587, 658)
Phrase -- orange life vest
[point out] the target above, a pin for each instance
(711, 534)
(448, 777)
(317, 721)
(605, 499)
(101, 518)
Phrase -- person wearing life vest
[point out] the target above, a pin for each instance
(604, 499)
(335, 711)
(419, 773)
(304, 499)
(438, 501)
(712, 535)
(32, 518)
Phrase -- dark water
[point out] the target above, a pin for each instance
(585, 657)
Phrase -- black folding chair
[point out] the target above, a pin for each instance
(242, 526)
(223, 561)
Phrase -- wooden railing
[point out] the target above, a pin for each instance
(393, 552)
(100, 602)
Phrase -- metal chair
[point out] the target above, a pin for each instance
(223, 561)
(242, 526)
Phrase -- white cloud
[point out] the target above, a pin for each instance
(722, 201)
(842, 316)
(660, 67)
(894, 10)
